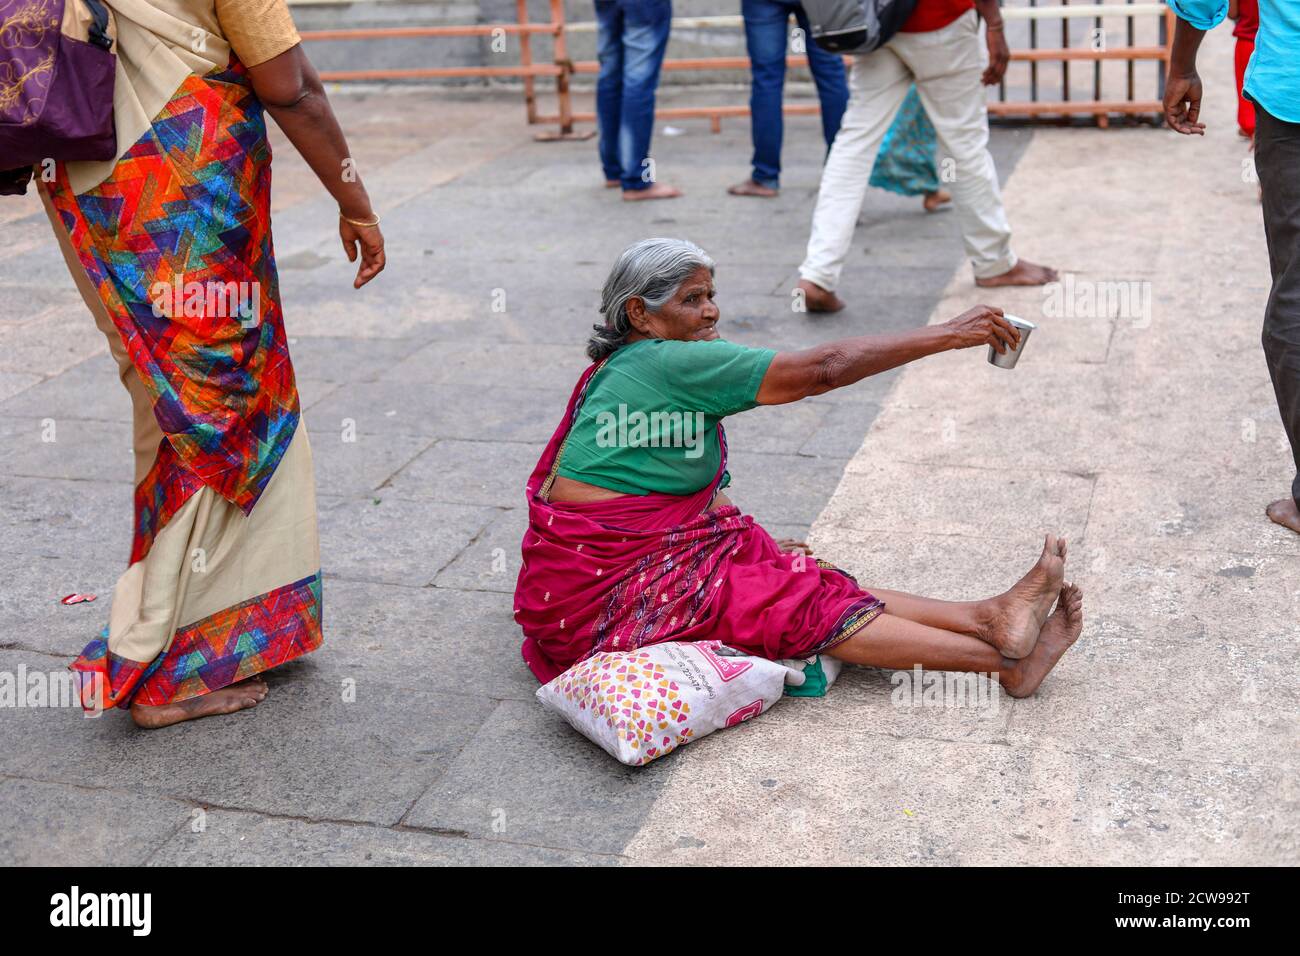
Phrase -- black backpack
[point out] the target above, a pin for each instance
(855, 26)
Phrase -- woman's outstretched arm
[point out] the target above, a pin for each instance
(291, 91)
(796, 375)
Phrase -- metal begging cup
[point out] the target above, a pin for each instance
(1010, 357)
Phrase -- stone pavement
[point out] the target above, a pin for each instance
(444, 757)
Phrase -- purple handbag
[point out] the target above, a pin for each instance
(57, 67)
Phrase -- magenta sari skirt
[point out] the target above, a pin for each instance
(620, 574)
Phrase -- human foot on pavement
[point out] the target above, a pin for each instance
(1022, 273)
(817, 299)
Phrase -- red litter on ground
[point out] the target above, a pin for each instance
(78, 598)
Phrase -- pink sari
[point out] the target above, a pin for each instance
(619, 574)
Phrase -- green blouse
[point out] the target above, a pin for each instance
(649, 420)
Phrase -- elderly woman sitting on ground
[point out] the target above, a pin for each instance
(633, 541)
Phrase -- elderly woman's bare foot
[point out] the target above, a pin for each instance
(1059, 633)
(1285, 513)
(752, 188)
(612, 184)
(228, 700)
(936, 200)
(654, 191)
(1022, 273)
(817, 299)
(1015, 618)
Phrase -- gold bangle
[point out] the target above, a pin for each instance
(358, 222)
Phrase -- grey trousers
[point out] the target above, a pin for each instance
(1277, 160)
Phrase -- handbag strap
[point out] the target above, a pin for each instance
(99, 28)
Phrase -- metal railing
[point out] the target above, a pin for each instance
(561, 68)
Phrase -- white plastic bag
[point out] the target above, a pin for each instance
(639, 705)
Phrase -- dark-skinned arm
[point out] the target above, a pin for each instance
(1183, 86)
(291, 91)
(990, 12)
(814, 371)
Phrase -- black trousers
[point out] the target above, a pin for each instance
(1277, 160)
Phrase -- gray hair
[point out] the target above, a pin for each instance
(651, 270)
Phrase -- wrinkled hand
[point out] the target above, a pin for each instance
(1183, 103)
(370, 241)
(983, 325)
(791, 546)
(999, 57)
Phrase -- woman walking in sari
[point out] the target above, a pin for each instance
(633, 541)
(906, 159)
(170, 245)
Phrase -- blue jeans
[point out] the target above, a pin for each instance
(631, 37)
(765, 36)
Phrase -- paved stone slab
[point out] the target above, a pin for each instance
(948, 567)
(548, 784)
(52, 824)
(91, 518)
(839, 434)
(1137, 441)
(1217, 701)
(14, 383)
(462, 642)
(384, 409)
(89, 390)
(897, 496)
(490, 562)
(342, 358)
(1172, 510)
(470, 472)
(31, 615)
(389, 539)
(360, 466)
(847, 795)
(247, 839)
(496, 365)
(79, 449)
(54, 340)
(776, 430)
(302, 752)
(1170, 594)
(781, 489)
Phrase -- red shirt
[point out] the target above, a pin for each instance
(1247, 20)
(935, 14)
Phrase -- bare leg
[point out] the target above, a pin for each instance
(1009, 622)
(960, 617)
(228, 700)
(898, 644)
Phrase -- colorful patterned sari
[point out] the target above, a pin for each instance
(623, 573)
(905, 162)
(173, 254)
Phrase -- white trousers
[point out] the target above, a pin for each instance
(945, 65)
